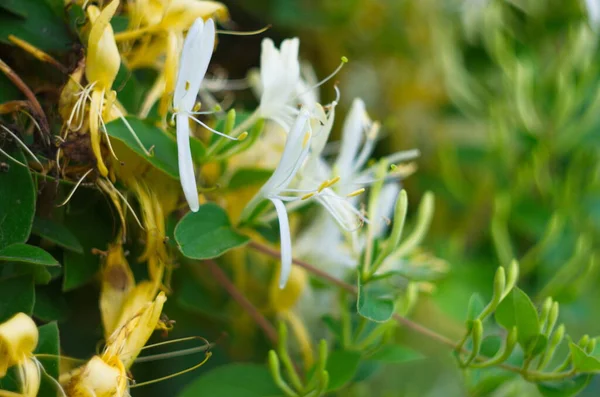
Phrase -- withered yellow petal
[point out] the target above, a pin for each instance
(99, 378)
(127, 341)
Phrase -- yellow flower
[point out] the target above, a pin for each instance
(99, 378)
(103, 61)
(120, 298)
(155, 39)
(18, 339)
(105, 375)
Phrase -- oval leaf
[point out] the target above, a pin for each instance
(17, 201)
(207, 233)
(56, 233)
(17, 294)
(375, 301)
(164, 147)
(582, 361)
(516, 310)
(26, 253)
(233, 380)
(395, 354)
(341, 366)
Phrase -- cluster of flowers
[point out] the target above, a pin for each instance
(288, 101)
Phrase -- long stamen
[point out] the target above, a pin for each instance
(126, 203)
(207, 356)
(241, 137)
(104, 130)
(22, 144)
(13, 159)
(130, 129)
(75, 188)
(250, 33)
(326, 79)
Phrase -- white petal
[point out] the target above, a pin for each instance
(195, 57)
(352, 135)
(293, 156)
(186, 165)
(286, 242)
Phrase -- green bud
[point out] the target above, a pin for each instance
(276, 375)
(583, 342)
(589, 349)
(552, 317)
(230, 121)
(424, 218)
(512, 277)
(477, 338)
(545, 310)
(399, 218)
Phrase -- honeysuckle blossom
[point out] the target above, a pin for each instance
(195, 56)
(279, 78)
(105, 375)
(294, 153)
(154, 38)
(18, 340)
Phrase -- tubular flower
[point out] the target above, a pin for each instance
(279, 78)
(195, 56)
(156, 34)
(294, 153)
(120, 297)
(105, 375)
(103, 61)
(18, 339)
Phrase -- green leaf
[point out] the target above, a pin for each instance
(582, 361)
(233, 380)
(86, 208)
(517, 310)
(41, 26)
(26, 253)
(50, 305)
(17, 294)
(475, 307)
(56, 233)
(564, 388)
(341, 366)
(249, 176)
(17, 200)
(375, 301)
(48, 343)
(395, 354)
(164, 145)
(207, 233)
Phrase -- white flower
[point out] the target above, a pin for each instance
(279, 78)
(294, 153)
(195, 56)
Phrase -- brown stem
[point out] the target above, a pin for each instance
(262, 322)
(317, 272)
(35, 105)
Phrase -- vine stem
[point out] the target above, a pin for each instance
(415, 327)
(33, 102)
(256, 315)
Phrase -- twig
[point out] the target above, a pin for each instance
(262, 322)
(35, 105)
(317, 272)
